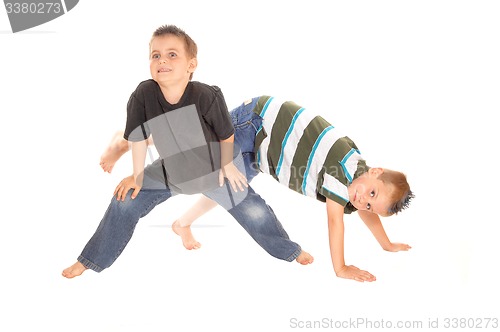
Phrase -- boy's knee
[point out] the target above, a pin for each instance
(254, 210)
(124, 204)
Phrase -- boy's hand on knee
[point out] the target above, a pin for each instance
(354, 273)
(124, 186)
(136, 192)
(236, 179)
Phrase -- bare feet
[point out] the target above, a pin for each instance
(305, 258)
(187, 237)
(116, 148)
(74, 270)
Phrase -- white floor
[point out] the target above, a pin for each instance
(415, 85)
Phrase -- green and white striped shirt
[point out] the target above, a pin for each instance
(301, 150)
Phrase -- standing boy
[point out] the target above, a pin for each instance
(194, 136)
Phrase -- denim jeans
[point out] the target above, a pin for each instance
(248, 208)
(246, 123)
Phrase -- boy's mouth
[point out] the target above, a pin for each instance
(163, 70)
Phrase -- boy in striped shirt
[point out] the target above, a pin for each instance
(304, 152)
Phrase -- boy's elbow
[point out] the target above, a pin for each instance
(335, 221)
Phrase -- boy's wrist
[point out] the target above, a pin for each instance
(229, 163)
(387, 246)
(339, 269)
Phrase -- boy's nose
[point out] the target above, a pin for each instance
(362, 199)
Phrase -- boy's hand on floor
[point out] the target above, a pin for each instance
(354, 273)
(394, 247)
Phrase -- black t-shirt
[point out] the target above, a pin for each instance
(187, 135)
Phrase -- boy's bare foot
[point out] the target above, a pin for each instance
(187, 237)
(305, 258)
(116, 148)
(74, 270)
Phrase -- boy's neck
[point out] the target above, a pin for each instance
(173, 93)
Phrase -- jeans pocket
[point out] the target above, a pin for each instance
(244, 137)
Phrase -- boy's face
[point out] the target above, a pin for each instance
(367, 193)
(168, 60)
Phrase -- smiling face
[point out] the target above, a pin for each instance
(367, 193)
(169, 62)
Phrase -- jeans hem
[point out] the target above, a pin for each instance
(295, 254)
(89, 265)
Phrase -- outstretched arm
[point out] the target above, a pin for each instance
(372, 221)
(335, 213)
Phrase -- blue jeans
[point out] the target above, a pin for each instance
(248, 208)
(246, 123)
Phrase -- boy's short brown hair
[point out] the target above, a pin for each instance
(400, 193)
(169, 29)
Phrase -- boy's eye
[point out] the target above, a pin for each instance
(368, 206)
(155, 56)
(172, 55)
(372, 193)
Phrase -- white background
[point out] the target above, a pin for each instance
(414, 83)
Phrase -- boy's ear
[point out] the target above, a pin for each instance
(193, 63)
(376, 171)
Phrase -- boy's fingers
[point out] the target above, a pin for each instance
(221, 179)
(239, 185)
(241, 181)
(123, 192)
(361, 275)
(136, 192)
(118, 192)
(118, 187)
(244, 180)
(368, 276)
(234, 185)
(236, 181)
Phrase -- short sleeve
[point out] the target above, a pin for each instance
(334, 189)
(218, 116)
(136, 128)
